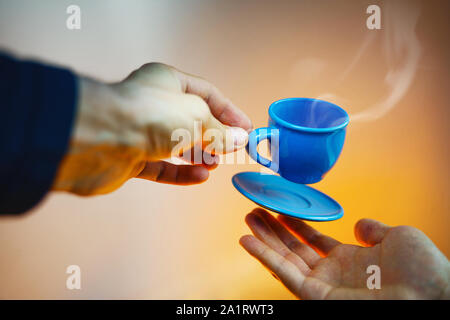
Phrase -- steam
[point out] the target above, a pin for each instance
(402, 51)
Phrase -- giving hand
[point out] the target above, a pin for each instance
(125, 130)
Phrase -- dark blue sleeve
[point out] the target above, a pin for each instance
(37, 109)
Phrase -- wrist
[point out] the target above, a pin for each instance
(105, 148)
(103, 116)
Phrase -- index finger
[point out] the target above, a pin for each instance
(221, 107)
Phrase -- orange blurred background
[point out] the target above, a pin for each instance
(154, 241)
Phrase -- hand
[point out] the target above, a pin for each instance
(124, 130)
(320, 267)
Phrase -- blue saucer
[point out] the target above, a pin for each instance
(285, 197)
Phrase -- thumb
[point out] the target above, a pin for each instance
(223, 138)
(370, 232)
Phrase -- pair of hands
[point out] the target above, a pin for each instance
(124, 130)
(315, 266)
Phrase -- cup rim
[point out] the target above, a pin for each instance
(286, 124)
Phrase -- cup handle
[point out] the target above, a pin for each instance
(254, 138)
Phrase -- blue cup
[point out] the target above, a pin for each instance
(305, 136)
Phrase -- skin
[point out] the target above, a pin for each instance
(124, 130)
(315, 266)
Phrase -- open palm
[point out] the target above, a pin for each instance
(314, 266)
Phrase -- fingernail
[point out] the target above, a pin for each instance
(239, 135)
